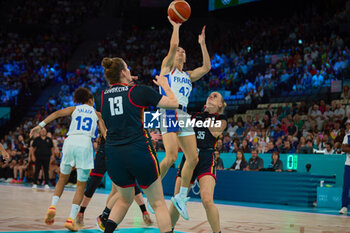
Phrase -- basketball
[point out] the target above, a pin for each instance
(179, 11)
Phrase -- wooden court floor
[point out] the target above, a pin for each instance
(23, 209)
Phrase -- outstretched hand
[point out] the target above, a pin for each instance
(161, 81)
(174, 23)
(36, 129)
(201, 37)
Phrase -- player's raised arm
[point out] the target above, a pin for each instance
(205, 68)
(169, 101)
(53, 116)
(168, 61)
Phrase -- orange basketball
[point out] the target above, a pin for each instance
(179, 11)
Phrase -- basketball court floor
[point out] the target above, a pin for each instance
(23, 209)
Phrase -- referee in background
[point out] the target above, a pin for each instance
(42, 151)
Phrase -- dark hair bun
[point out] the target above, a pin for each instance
(107, 62)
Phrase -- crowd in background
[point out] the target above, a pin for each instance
(35, 60)
(53, 12)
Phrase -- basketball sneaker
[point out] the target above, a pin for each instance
(343, 210)
(70, 225)
(13, 181)
(47, 187)
(100, 223)
(35, 186)
(50, 215)
(146, 218)
(80, 220)
(20, 181)
(180, 205)
(149, 207)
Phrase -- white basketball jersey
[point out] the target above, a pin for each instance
(84, 121)
(180, 83)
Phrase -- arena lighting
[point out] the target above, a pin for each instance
(300, 41)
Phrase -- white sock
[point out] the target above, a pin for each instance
(74, 211)
(55, 200)
(183, 192)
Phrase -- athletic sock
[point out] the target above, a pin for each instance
(110, 226)
(105, 214)
(74, 211)
(55, 200)
(82, 209)
(143, 208)
(183, 192)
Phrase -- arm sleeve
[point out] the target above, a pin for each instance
(144, 96)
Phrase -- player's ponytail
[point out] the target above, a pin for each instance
(113, 68)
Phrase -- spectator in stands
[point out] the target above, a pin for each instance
(266, 121)
(255, 163)
(240, 163)
(245, 146)
(257, 122)
(219, 146)
(287, 148)
(227, 143)
(317, 116)
(336, 130)
(328, 113)
(240, 130)
(219, 161)
(270, 113)
(303, 110)
(277, 132)
(308, 149)
(248, 123)
(292, 129)
(236, 146)
(328, 150)
(339, 113)
(270, 148)
(276, 163)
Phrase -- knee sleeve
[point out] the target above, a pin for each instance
(137, 190)
(92, 185)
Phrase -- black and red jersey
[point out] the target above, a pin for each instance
(122, 108)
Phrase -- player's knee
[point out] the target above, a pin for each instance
(193, 161)
(156, 204)
(207, 200)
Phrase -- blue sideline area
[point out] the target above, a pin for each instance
(328, 165)
(297, 188)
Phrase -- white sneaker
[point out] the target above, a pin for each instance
(180, 205)
(149, 207)
(343, 210)
(47, 187)
(34, 186)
